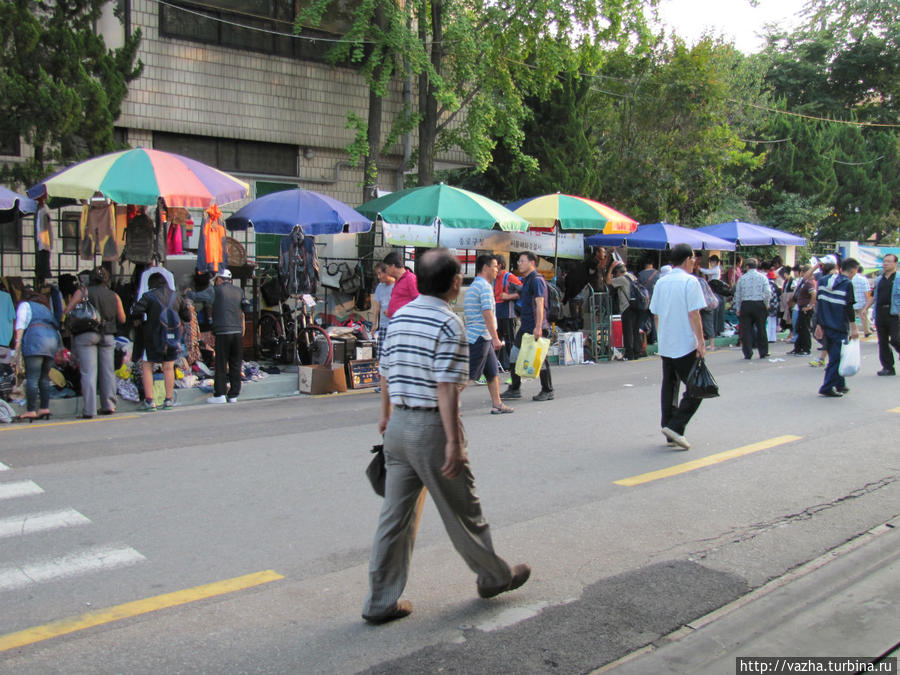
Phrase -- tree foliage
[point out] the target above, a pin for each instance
(61, 88)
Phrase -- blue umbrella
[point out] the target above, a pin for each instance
(280, 212)
(661, 236)
(749, 234)
(10, 199)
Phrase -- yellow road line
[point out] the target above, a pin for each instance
(706, 461)
(44, 425)
(131, 609)
(896, 410)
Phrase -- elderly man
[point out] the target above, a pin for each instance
(423, 368)
(751, 302)
(886, 300)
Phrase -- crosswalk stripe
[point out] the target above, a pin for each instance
(52, 569)
(40, 522)
(20, 488)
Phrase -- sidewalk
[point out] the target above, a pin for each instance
(842, 604)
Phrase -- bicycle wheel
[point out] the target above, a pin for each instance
(271, 342)
(314, 345)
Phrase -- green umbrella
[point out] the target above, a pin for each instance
(445, 206)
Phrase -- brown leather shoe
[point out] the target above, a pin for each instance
(520, 574)
(403, 608)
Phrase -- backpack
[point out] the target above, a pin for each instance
(170, 332)
(639, 296)
(553, 301)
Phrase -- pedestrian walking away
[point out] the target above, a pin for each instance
(481, 330)
(423, 368)
(676, 304)
(751, 302)
(228, 327)
(533, 298)
(886, 299)
(835, 319)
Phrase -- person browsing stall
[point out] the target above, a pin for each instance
(405, 287)
(228, 327)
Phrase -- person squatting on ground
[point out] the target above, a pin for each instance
(834, 316)
(886, 300)
(150, 307)
(533, 320)
(481, 330)
(228, 327)
(751, 302)
(676, 304)
(423, 369)
(95, 350)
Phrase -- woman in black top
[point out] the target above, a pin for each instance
(95, 351)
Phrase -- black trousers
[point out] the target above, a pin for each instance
(229, 358)
(888, 329)
(631, 333)
(546, 383)
(804, 337)
(506, 331)
(676, 371)
(754, 314)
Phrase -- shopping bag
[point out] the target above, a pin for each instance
(850, 359)
(376, 472)
(531, 356)
(700, 382)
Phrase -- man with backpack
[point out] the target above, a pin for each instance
(533, 298)
(506, 293)
(630, 300)
(228, 327)
(163, 314)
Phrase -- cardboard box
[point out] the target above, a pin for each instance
(338, 377)
(315, 379)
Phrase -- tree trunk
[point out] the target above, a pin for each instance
(427, 100)
(373, 130)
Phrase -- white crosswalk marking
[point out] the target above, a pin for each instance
(40, 522)
(21, 488)
(52, 569)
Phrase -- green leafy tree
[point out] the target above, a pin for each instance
(61, 88)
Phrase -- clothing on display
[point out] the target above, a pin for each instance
(98, 230)
(298, 263)
(212, 254)
(139, 240)
(43, 229)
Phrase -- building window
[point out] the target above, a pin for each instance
(10, 144)
(11, 235)
(258, 25)
(69, 230)
(228, 154)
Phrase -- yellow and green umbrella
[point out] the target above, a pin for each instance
(577, 214)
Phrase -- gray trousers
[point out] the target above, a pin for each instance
(414, 453)
(95, 354)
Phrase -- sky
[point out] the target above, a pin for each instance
(737, 20)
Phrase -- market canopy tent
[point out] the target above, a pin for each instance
(11, 200)
(662, 236)
(141, 176)
(280, 212)
(443, 205)
(750, 234)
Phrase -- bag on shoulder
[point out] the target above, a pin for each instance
(171, 327)
(639, 296)
(700, 382)
(84, 317)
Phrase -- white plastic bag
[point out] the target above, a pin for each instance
(850, 359)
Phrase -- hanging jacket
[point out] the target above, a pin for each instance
(212, 255)
(139, 240)
(43, 230)
(298, 263)
(98, 231)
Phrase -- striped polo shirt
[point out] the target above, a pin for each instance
(479, 297)
(425, 344)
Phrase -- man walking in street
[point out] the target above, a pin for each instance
(676, 304)
(228, 327)
(405, 288)
(423, 368)
(886, 299)
(751, 302)
(861, 291)
(481, 330)
(834, 314)
(533, 320)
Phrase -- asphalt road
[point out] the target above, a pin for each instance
(128, 510)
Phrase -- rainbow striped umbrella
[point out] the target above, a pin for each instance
(568, 212)
(141, 176)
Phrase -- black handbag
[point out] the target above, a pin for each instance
(84, 317)
(375, 472)
(700, 382)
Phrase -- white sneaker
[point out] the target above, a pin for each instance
(676, 438)
(232, 399)
(216, 399)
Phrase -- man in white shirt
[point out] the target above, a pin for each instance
(861, 290)
(676, 304)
